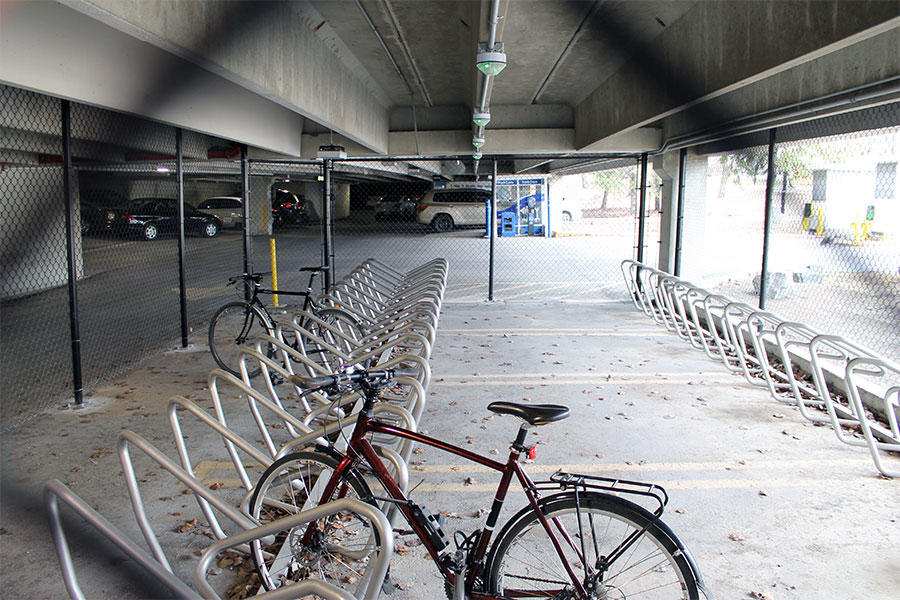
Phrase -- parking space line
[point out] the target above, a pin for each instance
(465, 469)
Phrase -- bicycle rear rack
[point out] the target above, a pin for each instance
(562, 480)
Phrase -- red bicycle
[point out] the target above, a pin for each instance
(576, 538)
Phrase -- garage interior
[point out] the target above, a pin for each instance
(745, 150)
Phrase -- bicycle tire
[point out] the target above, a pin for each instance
(341, 547)
(235, 325)
(523, 563)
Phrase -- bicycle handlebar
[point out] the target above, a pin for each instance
(254, 277)
(376, 377)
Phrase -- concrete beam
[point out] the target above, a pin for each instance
(270, 48)
(53, 49)
(871, 60)
(718, 47)
(499, 141)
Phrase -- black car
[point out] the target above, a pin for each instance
(99, 208)
(398, 208)
(290, 209)
(152, 217)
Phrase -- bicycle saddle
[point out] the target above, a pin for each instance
(534, 414)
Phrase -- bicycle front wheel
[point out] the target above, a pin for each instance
(235, 326)
(337, 547)
(617, 550)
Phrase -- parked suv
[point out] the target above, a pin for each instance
(446, 209)
(290, 209)
(228, 209)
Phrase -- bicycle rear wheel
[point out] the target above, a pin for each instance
(339, 546)
(235, 326)
(524, 564)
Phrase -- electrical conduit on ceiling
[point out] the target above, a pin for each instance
(486, 81)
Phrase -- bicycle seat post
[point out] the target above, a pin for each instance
(518, 445)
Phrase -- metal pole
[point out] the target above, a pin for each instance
(641, 208)
(679, 209)
(179, 183)
(327, 225)
(492, 230)
(245, 194)
(783, 189)
(69, 197)
(767, 225)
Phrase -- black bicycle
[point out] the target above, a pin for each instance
(239, 324)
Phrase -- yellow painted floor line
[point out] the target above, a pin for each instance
(620, 467)
(507, 330)
(686, 484)
(560, 381)
(604, 375)
(559, 333)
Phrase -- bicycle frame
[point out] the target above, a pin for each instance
(360, 448)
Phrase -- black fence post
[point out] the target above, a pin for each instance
(679, 209)
(327, 223)
(492, 229)
(69, 196)
(767, 224)
(642, 208)
(245, 194)
(179, 183)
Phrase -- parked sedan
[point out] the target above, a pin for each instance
(99, 210)
(399, 208)
(152, 217)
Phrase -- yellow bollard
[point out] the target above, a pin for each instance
(855, 230)
(820, 226)
(274, 270)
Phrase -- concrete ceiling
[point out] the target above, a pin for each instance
(397, 77)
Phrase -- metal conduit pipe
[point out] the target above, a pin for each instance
(878, 90)
(486, 81)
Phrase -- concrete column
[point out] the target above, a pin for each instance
(313, 192)
(666, 166)
(342, 201)
(694, 225)
(261, 205)
(32, 238)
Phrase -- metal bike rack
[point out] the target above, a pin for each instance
(401, 312)
(368, 589)
(753, 342)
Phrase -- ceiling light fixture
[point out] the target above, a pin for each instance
(490, 61)
(162, 169)
(481, 118)
(478, 142)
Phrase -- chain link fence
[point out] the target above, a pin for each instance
(834, 257)
(734, 222)
(35, 353)
(834, 249)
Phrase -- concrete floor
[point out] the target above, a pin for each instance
(770, 506)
